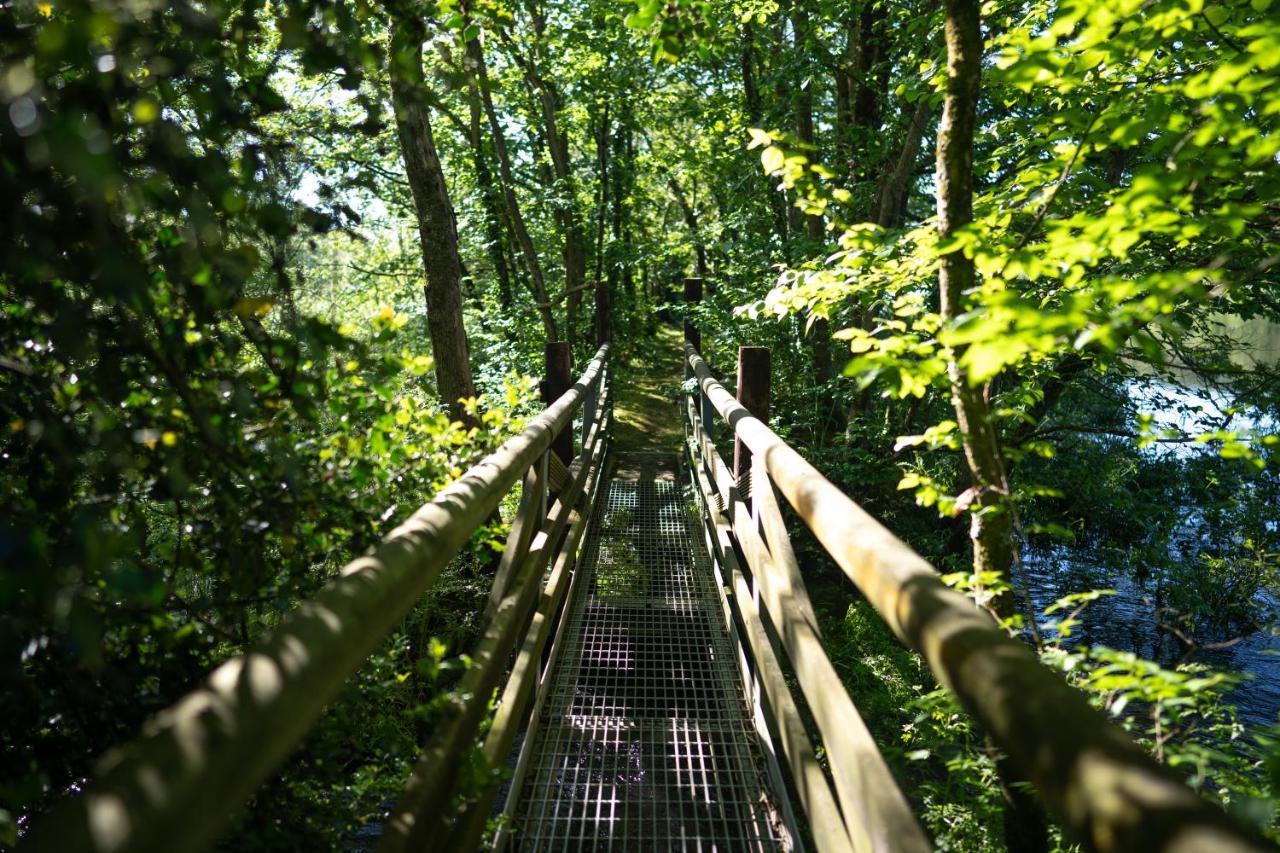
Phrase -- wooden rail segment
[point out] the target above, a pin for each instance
(1105, 789)
(425, 817)
(196, 763)
(862, 809)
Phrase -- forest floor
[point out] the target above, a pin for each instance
(650, 371)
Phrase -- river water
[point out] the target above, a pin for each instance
(1130, 621)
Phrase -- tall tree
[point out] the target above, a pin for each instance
(992, 523)
(991, 528)
(555, 132)
(755, 116)
(437, 229)
(490, 195)
(814, 227)
(520, 229)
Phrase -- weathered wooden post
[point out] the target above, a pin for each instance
(556, 382)
(602, 316)
(693, 296)
(603, 308)
(753, 393)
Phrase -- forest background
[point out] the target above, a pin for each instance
(273, 273)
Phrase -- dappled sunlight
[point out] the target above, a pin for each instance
(661, 425)
(646, 410)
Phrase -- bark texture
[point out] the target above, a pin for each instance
(992, 529)
(437, 229)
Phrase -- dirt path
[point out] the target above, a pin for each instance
(650, 371)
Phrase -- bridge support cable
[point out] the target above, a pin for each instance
(1105, 789)
(196, 763)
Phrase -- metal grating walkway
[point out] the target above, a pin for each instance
(644, 741)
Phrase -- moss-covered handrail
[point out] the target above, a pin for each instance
(1104, 788)
(197, 762)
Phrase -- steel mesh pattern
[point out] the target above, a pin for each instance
(645, 742)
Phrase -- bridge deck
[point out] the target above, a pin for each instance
(645, 741)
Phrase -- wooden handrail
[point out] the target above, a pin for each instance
(175, 787)
(868, 812)
(1104, 788)
(527, 669)
(424, 816)
(826, 823)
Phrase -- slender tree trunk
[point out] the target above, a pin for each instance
(622, 167)
(490, 197)
(755, 114)
(813, 224)
(690, 217)
(893, 192)
(992, 531)
(437, 229)
(475, 51)
(566, 211)
(603, 200)
(782, 97)
(815, 231)
(845, 80)
(991, 526)
(867, 100)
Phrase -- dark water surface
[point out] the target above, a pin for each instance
(1129, 621)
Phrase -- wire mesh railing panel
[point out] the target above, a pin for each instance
(645, 742)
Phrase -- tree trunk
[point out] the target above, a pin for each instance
(622, 185)
(603, 200)
(992, 531)
(755, 113)
(823, 358)
(475, 52)
(566, 211)
(845, 80)
(437, 229)
(813, 224)
(867, 97)
(490, 197)
(691, 223)
(893, 193)
(991, 524)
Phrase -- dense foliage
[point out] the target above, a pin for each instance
(241, 241)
